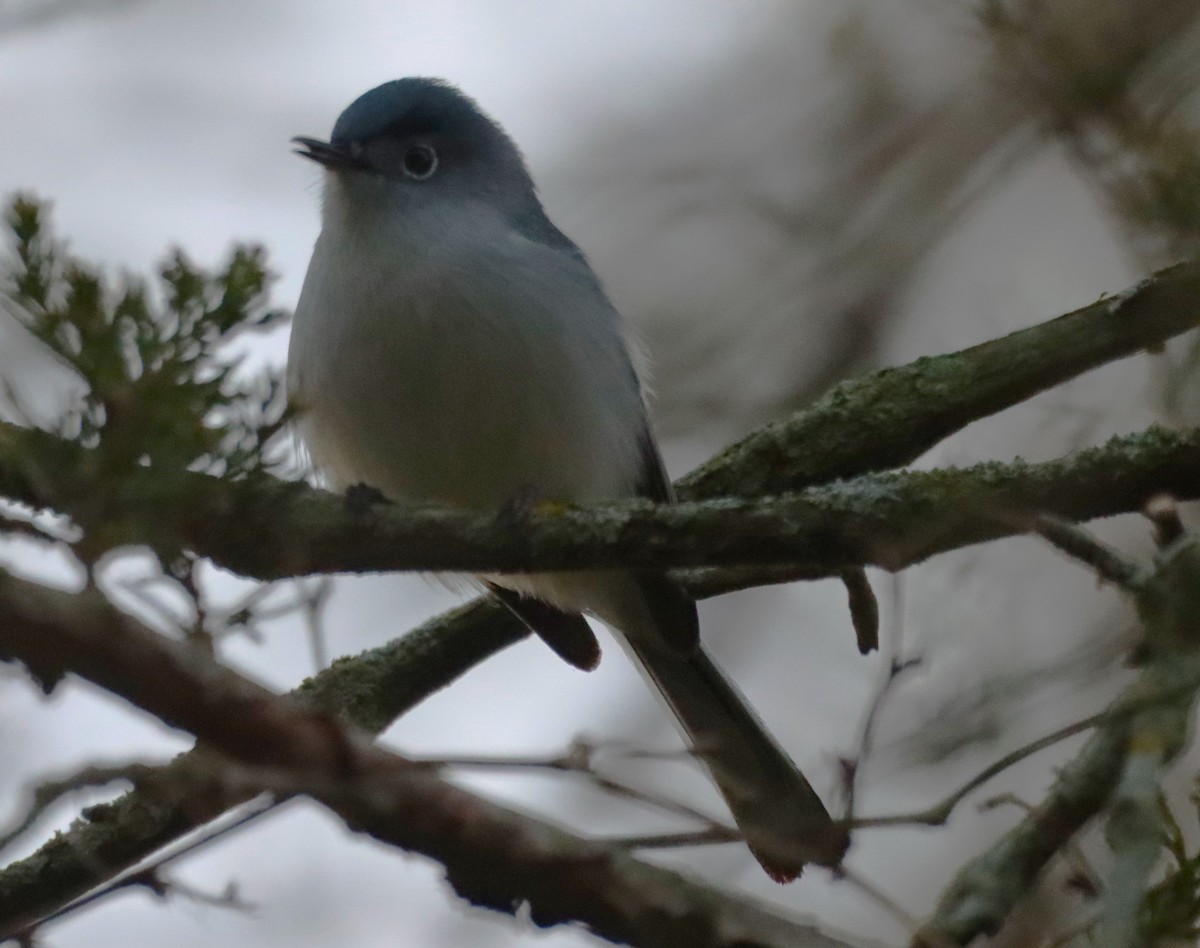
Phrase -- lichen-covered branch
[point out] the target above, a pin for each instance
(267, 529)
(1155, 713)
(493, 856)
(892, 417)
(892, 520)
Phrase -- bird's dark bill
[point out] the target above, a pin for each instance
(327, 153)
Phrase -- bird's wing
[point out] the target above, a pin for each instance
(567, 633)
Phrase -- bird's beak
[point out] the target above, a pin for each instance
(332, 156)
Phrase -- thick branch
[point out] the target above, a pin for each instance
(369, 690)
(493, 856)
(268, 529)
(892, 520)
(890, 418)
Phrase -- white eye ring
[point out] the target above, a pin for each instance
(420, 161)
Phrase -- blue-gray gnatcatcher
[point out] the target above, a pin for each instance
(452, 345)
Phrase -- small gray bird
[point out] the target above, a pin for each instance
(452, 345)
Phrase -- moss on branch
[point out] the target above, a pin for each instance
(1156, 710)
(890, 418)
(268, 529)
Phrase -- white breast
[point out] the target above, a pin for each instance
(465, 364)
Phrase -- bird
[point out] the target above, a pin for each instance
(451, 345)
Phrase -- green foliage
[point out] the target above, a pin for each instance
(1171, 907)
(166, 391)
(160, 362)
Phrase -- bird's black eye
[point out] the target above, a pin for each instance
(419, 162)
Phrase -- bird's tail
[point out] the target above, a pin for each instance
(778, 812)
(781, 817)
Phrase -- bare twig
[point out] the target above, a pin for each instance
(312, 601)
(881, 898)
(580, 759)
(866, 741)
(149, 873)
(227, 898)
(937, 814)
(1081, 545)
(896, 668)
(1155, 711)
(703, 837)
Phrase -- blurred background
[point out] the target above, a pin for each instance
(779, 194)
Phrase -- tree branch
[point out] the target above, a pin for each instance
(892, 417)
(369, 690)
(494, 857)
(1153, 712)
(268, 529)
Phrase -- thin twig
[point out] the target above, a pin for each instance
(896, 668)
(579, 760)
(228, 898)
(139, 589)
(1081, 545)
(313, 603)
(877, 895)
(704, 837)
(937, 814)
(866, 742)
(139, 874)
